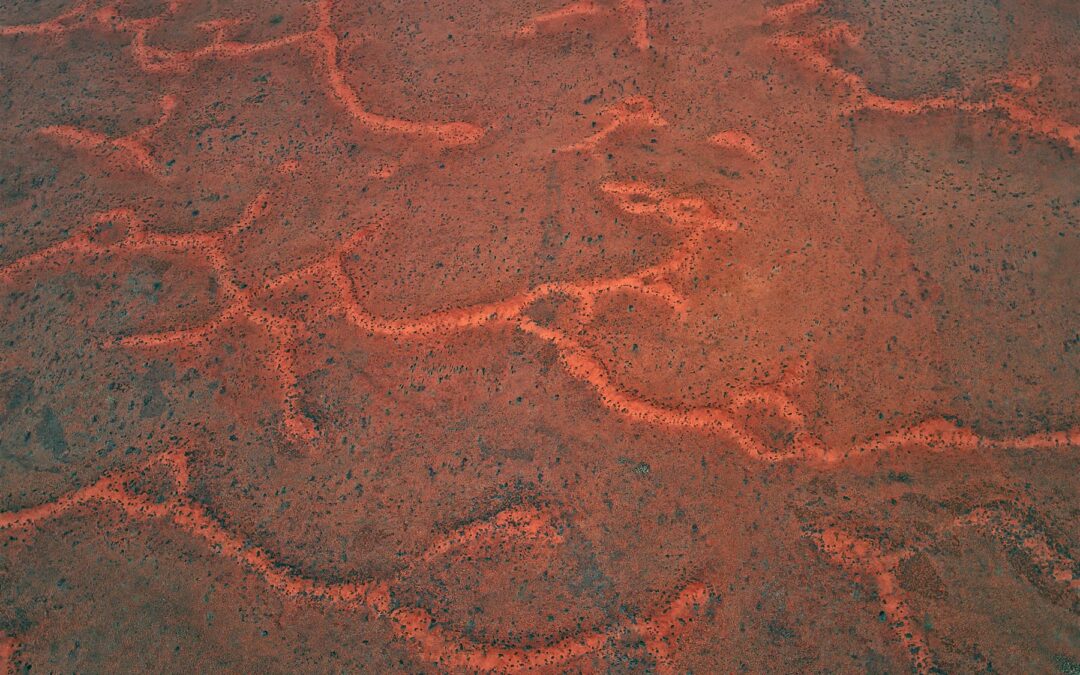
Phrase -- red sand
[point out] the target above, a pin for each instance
(628, 336)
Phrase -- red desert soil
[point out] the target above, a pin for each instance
(611, 336)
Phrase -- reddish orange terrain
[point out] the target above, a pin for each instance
(617, 336)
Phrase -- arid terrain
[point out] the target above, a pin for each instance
(617, 336)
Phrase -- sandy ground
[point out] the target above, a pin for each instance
(630, 336)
